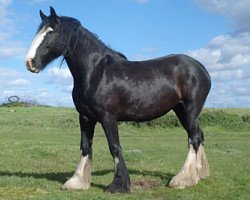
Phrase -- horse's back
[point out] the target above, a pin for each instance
(180, 70)
(144, 90)
(190, 76)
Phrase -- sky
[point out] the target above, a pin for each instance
(215, 32)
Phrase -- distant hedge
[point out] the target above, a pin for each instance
(210, 117)
(237, 120)
(22, 103)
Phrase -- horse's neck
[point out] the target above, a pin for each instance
(84, 51)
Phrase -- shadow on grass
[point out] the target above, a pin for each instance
(62, 177)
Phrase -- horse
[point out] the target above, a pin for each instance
(109, 88)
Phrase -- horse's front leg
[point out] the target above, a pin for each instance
(82, 175)
(121, 182)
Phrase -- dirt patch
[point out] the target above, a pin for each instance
(144, 184)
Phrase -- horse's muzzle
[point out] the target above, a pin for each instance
(30, 66)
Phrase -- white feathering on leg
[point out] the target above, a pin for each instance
(195, 168)
(81, 178)
(188, 174)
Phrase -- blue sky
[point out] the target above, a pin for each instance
(217, 33)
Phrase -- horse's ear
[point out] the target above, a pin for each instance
(53, 12)
(54, 15)
(42, 15)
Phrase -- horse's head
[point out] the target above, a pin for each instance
(47, 44)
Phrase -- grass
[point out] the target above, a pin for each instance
(39, 150)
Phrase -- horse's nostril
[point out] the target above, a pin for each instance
(30, 65)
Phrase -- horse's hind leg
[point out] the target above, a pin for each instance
(196, 166)
(82, 175)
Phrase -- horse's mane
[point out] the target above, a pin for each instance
(70, 26)
(95, 37)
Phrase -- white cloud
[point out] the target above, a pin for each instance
(13, 82)
(225, 52)
(8, 93)
(227, 57)
(4, 13)
(41, 90)
(9, 48)
(6, 2)
(230, 94)
(8, 82)
(6, 72)
(229, 75)
(12, 49)
(7, 75)
(237, 10)
(62, 78)
(61, 73)
(20, 82)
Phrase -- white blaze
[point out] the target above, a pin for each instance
(36, 42)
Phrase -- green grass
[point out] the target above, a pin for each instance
(39, 150)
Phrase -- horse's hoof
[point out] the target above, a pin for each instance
(183, 180)
(118, 186)
(76, 183)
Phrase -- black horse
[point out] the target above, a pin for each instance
(109, 88)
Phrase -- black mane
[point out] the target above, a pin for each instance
(94, 36)
(70, 27)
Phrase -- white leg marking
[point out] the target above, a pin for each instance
(202, 163)
(82, 176)
(188, 174)
(36, 43)
(194, 169)
(116, 163)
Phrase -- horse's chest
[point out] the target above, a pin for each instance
(82, 105)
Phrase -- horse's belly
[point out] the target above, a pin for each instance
(146, 111)
(140, 117)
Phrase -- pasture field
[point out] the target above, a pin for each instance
(39, 151)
